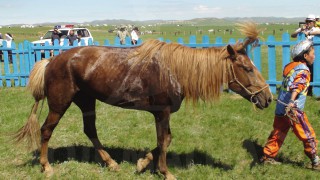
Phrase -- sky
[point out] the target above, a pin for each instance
(80, 11)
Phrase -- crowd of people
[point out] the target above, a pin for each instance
(123, 34)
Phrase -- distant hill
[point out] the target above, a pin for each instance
(196, 21)
(203, 21)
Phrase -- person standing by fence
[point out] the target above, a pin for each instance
(122, 34)
(71, 37)
(289, 109)
(134, 36)
(9, 39)
(309, 29)
(56, 34)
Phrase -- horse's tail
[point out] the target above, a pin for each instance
(36, 80)
(30, 132)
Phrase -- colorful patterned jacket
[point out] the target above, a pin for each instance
(296, 77)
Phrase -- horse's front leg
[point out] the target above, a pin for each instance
(159, 154)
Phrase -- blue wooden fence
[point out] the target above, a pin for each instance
(26, 54)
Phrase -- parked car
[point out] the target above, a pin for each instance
(84, 33)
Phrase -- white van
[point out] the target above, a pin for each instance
(65, 30)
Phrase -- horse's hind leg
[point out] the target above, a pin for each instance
(87, 106)
(159, 154)
(46, 132)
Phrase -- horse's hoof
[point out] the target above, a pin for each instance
(48, 171)
(140, 166)
(170, 177)
(114, 167)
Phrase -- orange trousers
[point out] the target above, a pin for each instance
(303, 130)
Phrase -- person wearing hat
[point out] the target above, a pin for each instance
(289, 108)
(122, 34)
(56, 34)
(309, 29)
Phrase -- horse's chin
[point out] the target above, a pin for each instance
(259, 102)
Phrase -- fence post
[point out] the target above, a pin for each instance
(285, 49)
(272, 63)
(316, 67)
(180, 40)
(218, 41)
(192, 40)
(257, 57)
(106, 42)
(205, 40)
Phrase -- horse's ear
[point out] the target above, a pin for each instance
(229, 52)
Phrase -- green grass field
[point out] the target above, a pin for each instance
(211, 141)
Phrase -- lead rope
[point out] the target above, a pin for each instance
(291, 112)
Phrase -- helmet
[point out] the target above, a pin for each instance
(311, 17)
(301, 48)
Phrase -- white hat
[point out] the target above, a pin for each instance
(301, 48)
(311, 17)
(317, 17)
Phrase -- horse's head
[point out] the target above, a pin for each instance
(245, 79)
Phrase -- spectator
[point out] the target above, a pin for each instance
(71, 37)
(1, 40)
(317, 22)
(56, 34)
(134, 35)
(122, 34)
(9, 39)
(79, 37)
(289, 108)
(308, 29)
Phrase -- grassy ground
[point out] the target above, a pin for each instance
(217, 141)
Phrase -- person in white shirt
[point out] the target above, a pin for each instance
(308, 29)
(9, 39)
(134, 35)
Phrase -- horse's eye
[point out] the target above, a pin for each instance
(248, 69)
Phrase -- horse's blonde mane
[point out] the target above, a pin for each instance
(200, 72)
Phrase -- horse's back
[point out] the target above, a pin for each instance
(107, 74)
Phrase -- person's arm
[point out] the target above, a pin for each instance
(8, 38)
(299, 84)
(295, 33)
(314, 32)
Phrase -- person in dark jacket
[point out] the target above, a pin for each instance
(56, 34)
(71, 37)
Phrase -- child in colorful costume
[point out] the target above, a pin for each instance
(290, 104)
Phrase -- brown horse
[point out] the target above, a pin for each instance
(154, 77)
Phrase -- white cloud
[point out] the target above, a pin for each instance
(203, 9)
